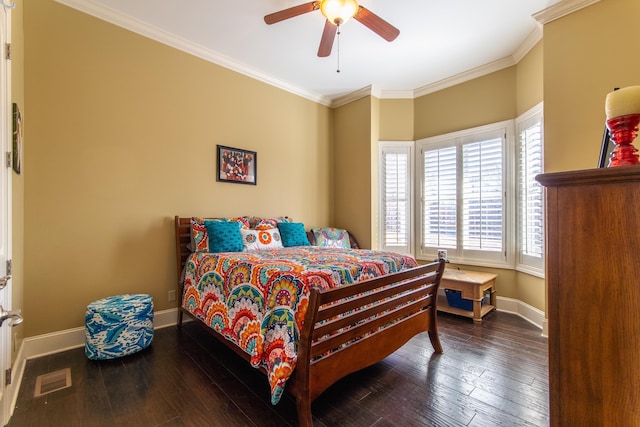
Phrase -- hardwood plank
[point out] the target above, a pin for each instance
(507, 405)
(26, 402)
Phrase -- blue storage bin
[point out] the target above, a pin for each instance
(454, 298)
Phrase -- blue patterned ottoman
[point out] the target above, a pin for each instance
(117, 326)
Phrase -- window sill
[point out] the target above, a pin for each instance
(537, 272)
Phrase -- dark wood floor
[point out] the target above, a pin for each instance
(494, 374)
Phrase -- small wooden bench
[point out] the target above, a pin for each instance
(473, 285)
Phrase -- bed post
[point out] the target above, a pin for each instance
(181, 254)
(179, 317)
(434, 336)
(302, 389)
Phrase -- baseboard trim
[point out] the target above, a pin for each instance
(17, 372)
(55, 342)
(527, 312)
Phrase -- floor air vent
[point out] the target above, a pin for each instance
(53, 381)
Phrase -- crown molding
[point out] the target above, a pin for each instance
(371, 91)
(474, 73)
(396, 94)
(529, 43)
(164, 37)
(466, 76)
(563, 8)
(354, 96)
(560, 9)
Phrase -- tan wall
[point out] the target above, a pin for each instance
(352, 168)
(586, 55)
(17, 181)
(582, 65)
(122, 133)
(529, 93)
(396, 119)
(373, 172)
(487, 99)
(395, 123)
(529, 80)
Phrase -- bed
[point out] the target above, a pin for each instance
(306, 315)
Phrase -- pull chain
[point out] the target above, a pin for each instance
(338, 49)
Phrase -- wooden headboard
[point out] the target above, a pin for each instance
(183, 238)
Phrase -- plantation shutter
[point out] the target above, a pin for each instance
(439, 198)
(482, 195)
(395, 185)
(530, 200)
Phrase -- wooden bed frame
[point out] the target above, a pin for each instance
(408, 308)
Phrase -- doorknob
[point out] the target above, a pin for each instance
(3, 281)
(16, 315)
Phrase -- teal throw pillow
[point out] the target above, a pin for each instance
(293, 234)
(224, 236)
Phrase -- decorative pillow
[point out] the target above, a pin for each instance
(199, 237)
(266, 223)
(332, 237)
(311, 238)
(261, 239)
(224, 236)
(293, 234)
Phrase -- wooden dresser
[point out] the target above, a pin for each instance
(593, 296)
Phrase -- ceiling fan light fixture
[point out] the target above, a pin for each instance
(338, 11)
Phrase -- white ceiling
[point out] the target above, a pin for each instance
(438, 40)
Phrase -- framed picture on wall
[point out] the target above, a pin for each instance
(607, 148)
(236, 165)
(607, 145)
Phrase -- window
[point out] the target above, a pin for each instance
(530, 193)
(463, 196)
(440, 219)
(396, 190)
(476, 195)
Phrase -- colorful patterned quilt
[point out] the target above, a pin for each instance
(258, 299)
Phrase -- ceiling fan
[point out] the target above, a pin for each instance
(337, 13)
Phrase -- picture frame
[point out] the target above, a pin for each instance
(606, 149)
(236, 165)
(16, 159)
(607, 145)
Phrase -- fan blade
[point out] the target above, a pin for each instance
(291, 12)
(328, 36)
(376, 24)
